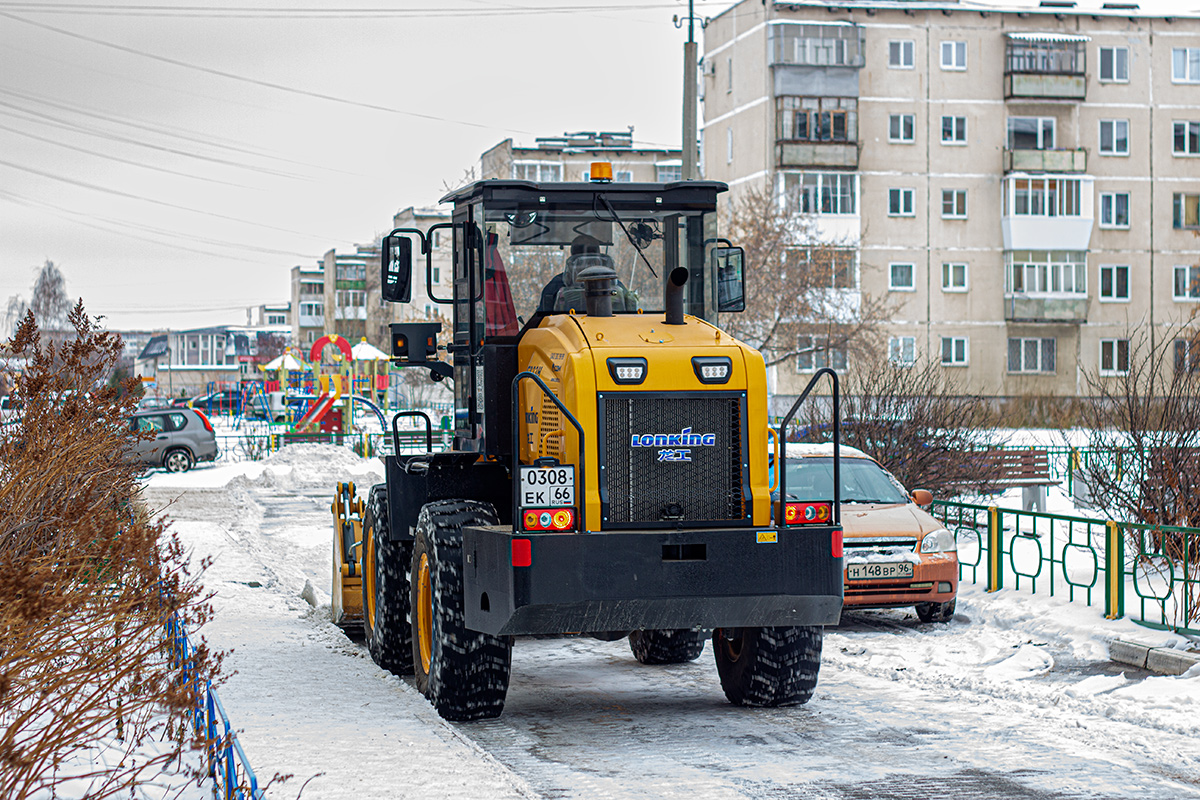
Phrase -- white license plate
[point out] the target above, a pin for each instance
(875, 572)
(547, 487)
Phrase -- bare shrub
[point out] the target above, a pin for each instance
(87, 584)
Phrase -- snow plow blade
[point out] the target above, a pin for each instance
(531, 583)
(347, 575)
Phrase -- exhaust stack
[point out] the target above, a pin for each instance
(673, 295)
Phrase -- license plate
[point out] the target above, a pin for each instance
(547, 487)
(875, 572)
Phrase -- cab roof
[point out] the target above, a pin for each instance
(677, 195)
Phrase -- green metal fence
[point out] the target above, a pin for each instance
(1083, 559)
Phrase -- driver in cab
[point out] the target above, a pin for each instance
(565, 292)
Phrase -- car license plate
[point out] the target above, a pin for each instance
(875, 572)
(547, 487)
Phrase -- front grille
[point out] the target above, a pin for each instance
(641, 485)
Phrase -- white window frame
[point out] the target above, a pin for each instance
(1187, 356)
(949, 283)
(813, 359)
(904, 209)
(912, 274)
(1191, 281)
(729, 145)
(1108, 210)
(1113, 346)
(1040, 345)
(1119, 66)
(840, 187)
(623, 176)
(960, 351)
(902, 350)
(1044, 274)
(1191, 138)
(902, 48)
(958, 131)
(1187, 58)
(958, 203)
(1045, 125)
(955, 49)
(897, 122)
(1179, 212)
(1113, 270)
(554, 170)
(1116, 124)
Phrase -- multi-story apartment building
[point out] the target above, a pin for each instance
(346, 283)
(1022, 184)
(308, 300)
(569, 158)
(269, 314)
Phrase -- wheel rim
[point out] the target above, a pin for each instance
(176, 462)
(424, 613)
(732, 640)
(368, 578)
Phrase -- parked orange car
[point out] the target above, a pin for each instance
(896, 554)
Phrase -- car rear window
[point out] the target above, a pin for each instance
(177, 422)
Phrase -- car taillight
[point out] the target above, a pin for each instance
(207, 425)
(548, 519)
(807, 513)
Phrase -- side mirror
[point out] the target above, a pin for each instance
(922, 497)
(396, 280)
(731, 280)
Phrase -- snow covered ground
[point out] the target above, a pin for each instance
(1014, 698)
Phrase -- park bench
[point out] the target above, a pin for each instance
(1029, 469)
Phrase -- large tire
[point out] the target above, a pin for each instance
(936, 612)
(385, 589)
(667, 646)
(463, 673)
(768, 666)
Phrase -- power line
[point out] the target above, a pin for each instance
(278, 12)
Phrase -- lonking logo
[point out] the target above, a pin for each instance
(684, 438)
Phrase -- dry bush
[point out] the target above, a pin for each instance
(87, 584)
(917, 423)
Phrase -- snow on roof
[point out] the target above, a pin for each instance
(804, 449)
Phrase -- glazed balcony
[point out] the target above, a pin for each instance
(1045, 66)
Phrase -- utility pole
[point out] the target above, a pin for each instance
(689, 94)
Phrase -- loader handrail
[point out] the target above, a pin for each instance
(581, 494)
(781, 464)
(396, 430)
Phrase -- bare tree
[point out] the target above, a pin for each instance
(49, 302)
(800, 290)
(14, 312)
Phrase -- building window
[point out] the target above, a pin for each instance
(954, 130)
(900, 128)
(1114, 137)
(1185, 65)
(1032, 54)
(729, 146)
(1187, 283)
(954, 55)
(1114, 209)
(1045, 272)
(900, 203)
(817, 119)
(954, 277)
(816, 45)
(954, 203)
(309, 287)
(900, 54)
(1114, 356)
(437, 274)
(1031, 355)
(955, 351)
(1187, 211)
(902, 350)
(537, 171)
(822, 192)
(814, 353)
(1114, 65)
(1187, 138)
(276, 319)
(902, 277)
(1042, 197)
(1187, 356)
(624, 176)
(665, 173)
(1031, 133)
(729, 75)
(351, 272)
(831, 267)
(1114, 283)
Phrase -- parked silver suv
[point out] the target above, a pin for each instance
(181, 437)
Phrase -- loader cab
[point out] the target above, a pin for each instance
(513, 239)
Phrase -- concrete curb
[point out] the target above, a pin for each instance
(1162, 660)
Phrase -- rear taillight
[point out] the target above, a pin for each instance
(837, 543)
(548, 519)
(807, 513)
(207, 425)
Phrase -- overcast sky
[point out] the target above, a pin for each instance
(176, 163)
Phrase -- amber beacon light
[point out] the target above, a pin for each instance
(601, 172)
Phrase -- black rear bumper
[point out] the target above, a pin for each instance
(622, 581)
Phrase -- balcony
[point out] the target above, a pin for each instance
(1035, 308)
(838, 155)
(816, 59)
(1045, 160)
(1047, 212)
(1045, 66)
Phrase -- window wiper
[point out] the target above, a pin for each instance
(632, 241)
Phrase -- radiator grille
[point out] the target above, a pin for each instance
(551, 420)
(643, 488)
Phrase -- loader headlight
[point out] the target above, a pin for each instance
(712, 369)
(627, 370)
(939, 541)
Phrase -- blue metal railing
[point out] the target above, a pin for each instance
(232, 776)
